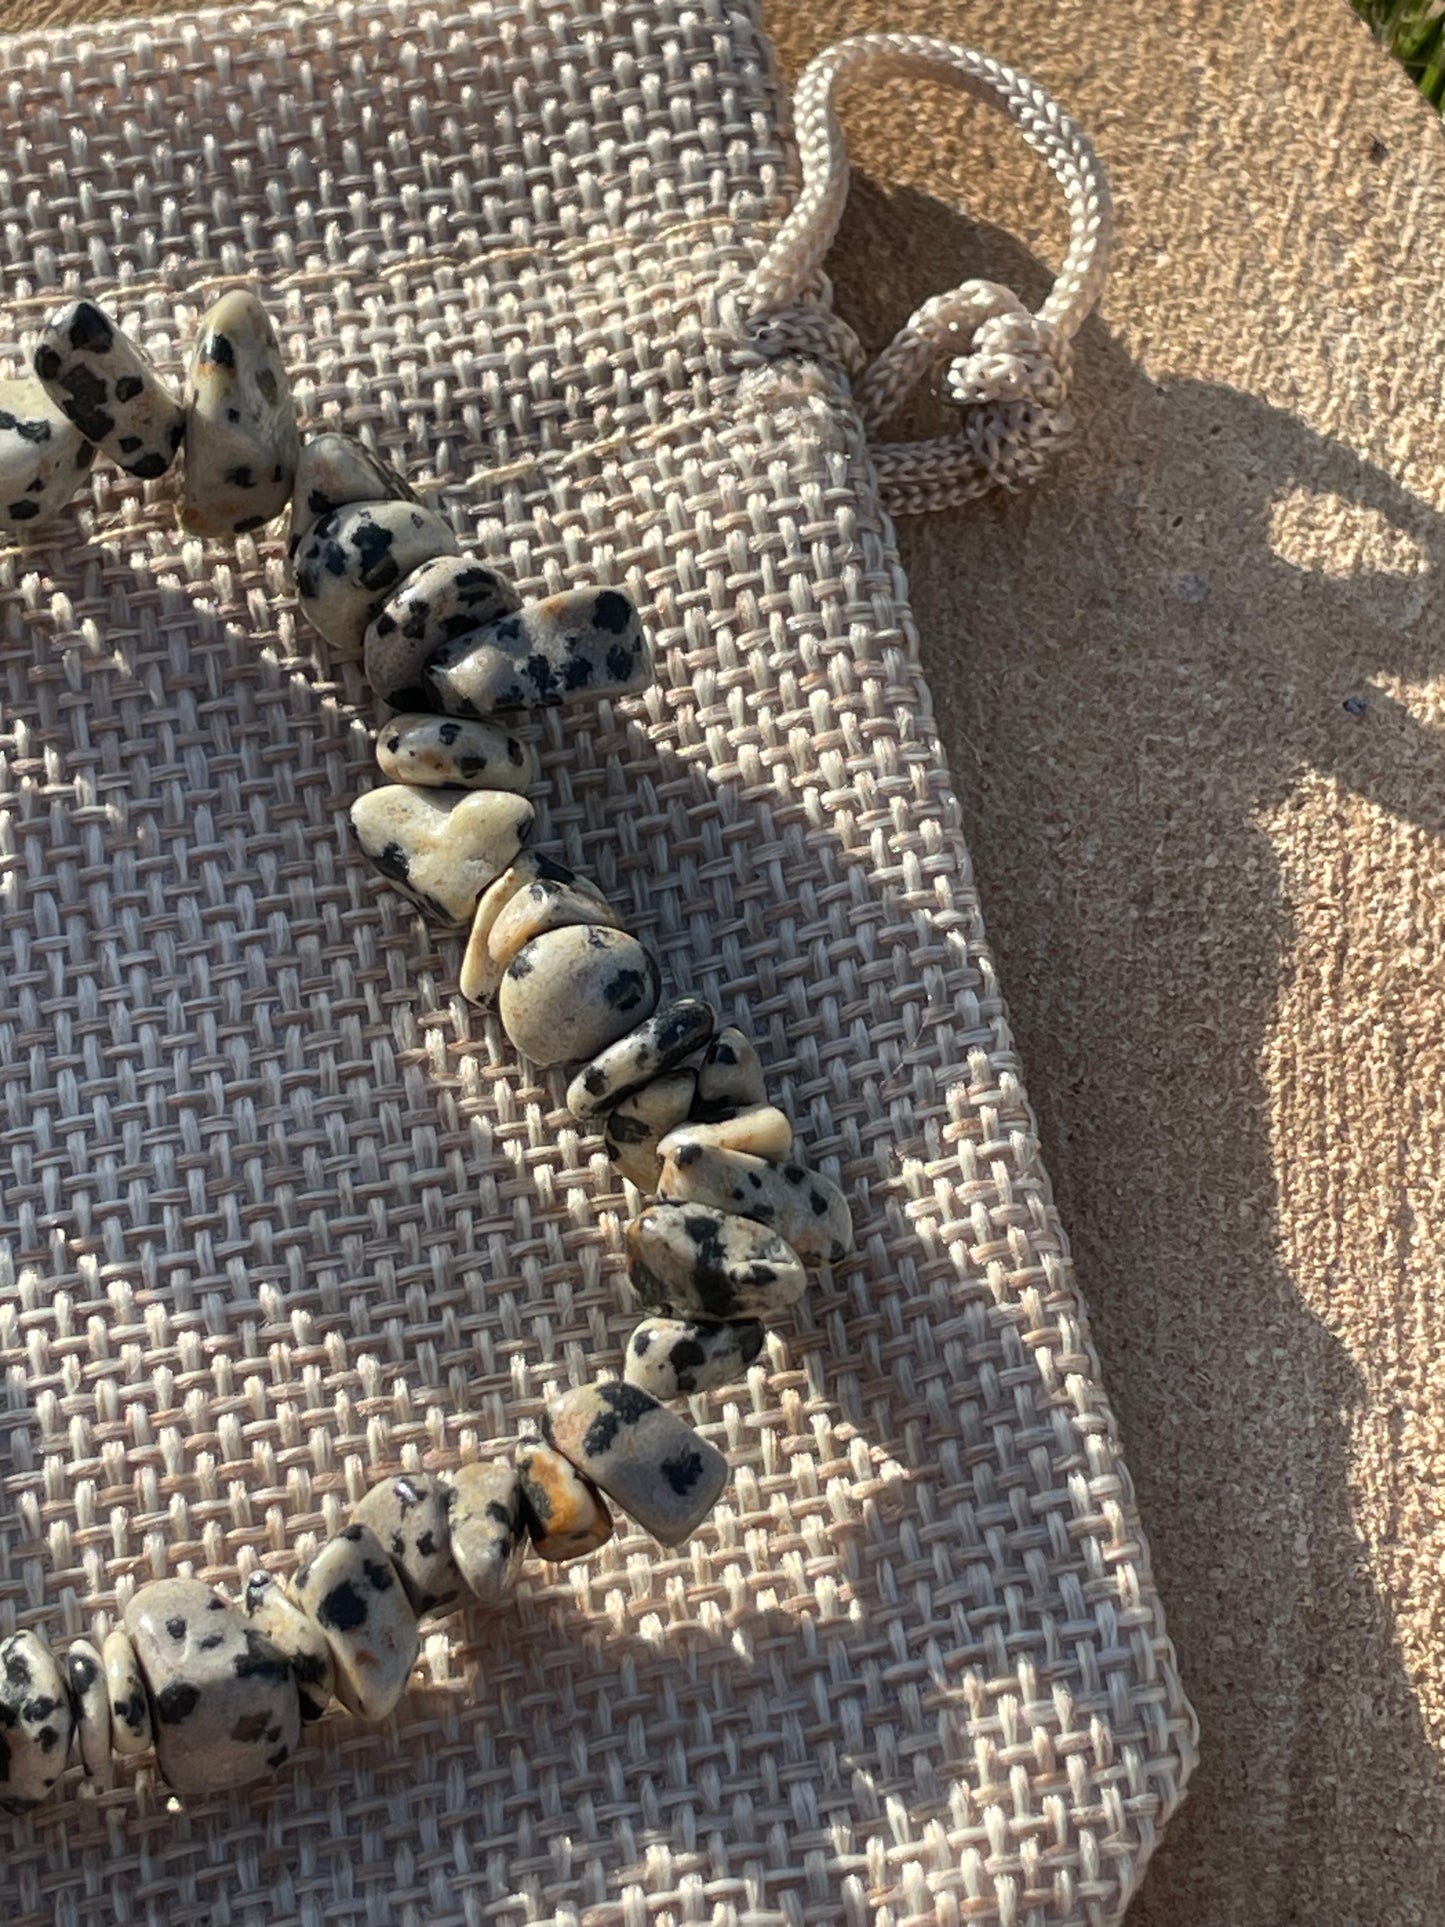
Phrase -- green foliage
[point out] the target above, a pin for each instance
(1414, 31)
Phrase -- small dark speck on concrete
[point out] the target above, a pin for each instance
(1356, 706)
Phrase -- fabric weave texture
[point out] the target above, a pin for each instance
(283, 1213)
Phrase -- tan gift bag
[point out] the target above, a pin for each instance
(283, 1213)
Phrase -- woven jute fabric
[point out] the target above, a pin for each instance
(1193, 691)
(283, 1213)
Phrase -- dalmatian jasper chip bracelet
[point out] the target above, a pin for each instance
(218, 1687)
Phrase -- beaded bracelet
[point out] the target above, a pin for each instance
(220, 1689)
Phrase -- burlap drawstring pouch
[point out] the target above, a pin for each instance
(282, 1212)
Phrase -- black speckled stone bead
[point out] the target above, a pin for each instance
(690, 1260)
(351, 1590)
(333, 471)
(108, 387)
(43, 458)
(678, 1357)
(488, 1530)
(566, 1517)
(653, 1048)
(90, 1706)
(410, 1516)
(35, 1722)
(641, 1455)
(730, 1077)
(583, 645)
(273, 1612)
(632, 1130)
(241, 439)
(454, 595)
(349, 562)
(763, 1131)
(130, 1710)
(807, 1210)
(546, 904)
(442, 848)
(450, 752)
(571, 992)
(223, 1699)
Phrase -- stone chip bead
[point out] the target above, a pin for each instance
(455, 595)
(546, 904)
(333, 471)
(804, 1208)
(441, 847)
(730, 1077)
(586, 643)
(130, 1710)
(90, 1709)
(691, 1260)
(572, 992)
(301, 1642)
(449, 752)
(642, 1456)
(488, 1533)
(565, 1515)
(409, 1515)
(678, 1357)
(225, 1705)
(43, 457)
(351, 1590)
(632, 1130)
(763, 1131)
(481, 974)
(655, 1047)
(242, 443)
(35, 1722)
(349, 562)
(108, 387)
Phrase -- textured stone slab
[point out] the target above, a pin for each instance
(633, 1129)
(409, 1515)
(730, 1077)
(108, 388)
(662, 1041)
(677, 1357)
(130, 1710)
(488, 1532)
(565, 1515)
(90, 1709)
(642, 1456)
(452, 596)
(241, 438)
(441, 847)
(692, 1260)
(43, 457)
(272, 1611)
(353, 1593)
(349, 562)
(805, 1209)
(333, 471)
(572, 992)
(223, 1700)
(583, 645)
(451, 752)
(35, 1722)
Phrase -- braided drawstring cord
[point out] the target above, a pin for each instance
(1007, 368)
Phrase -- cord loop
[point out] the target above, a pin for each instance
(1006, 367)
